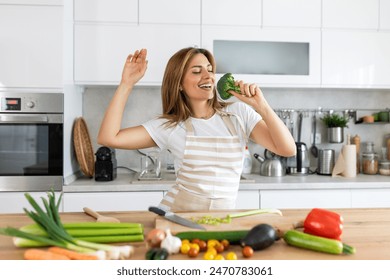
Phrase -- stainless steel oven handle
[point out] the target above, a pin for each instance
(24, 118)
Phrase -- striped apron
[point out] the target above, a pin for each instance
(210, 174)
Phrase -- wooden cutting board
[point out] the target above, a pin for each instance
(242, 223)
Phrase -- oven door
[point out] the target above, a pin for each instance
(31, 152)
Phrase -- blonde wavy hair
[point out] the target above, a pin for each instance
(176, 107)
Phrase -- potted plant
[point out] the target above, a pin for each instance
(335, 124)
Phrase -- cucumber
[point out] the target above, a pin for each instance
(233, 236)
(317, 243)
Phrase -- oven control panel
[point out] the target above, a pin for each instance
(31, 103)
(10, 104)
(17, 104)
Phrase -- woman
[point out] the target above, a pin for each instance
(206, 137)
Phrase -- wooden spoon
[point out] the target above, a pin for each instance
(100, 218)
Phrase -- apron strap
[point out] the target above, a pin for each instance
(226, 117)
(189, 127)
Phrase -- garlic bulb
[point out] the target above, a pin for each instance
(171, 243)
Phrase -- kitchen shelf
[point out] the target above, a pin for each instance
(372, 123)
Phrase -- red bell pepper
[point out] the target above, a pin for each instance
(324, 223)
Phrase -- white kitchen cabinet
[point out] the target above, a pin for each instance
(257, 34)
(248, 199)
(170, 11)
(299, 199)
(124, 11)
(384, 15)
(355, 59)
(356, 14)
(101, 49)
(287, 13)
(31, 46)
(14, 202)
(111, 201)
(231, 12)
(370, 198)
(32, 2)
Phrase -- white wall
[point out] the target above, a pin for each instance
(145, 103)
(72, 95)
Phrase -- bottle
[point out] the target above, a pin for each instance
(247, 168)
(356, 141)
(388, 148)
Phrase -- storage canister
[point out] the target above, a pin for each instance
(384, 167)
(370, 164)
(325, 161)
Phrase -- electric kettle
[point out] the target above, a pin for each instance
(300, 163)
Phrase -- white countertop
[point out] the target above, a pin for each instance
(127, 182)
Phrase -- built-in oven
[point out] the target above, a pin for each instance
(31, 141)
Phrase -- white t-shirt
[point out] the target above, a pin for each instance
(173, 138)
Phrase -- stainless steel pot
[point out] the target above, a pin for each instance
(271, 166)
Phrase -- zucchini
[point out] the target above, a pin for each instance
(317, 243)
(233, 236)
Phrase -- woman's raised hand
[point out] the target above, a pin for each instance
(135, 67)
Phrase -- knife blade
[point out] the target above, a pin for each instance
(175, 218)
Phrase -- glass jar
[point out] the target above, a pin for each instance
(384, 167)
(370, 163)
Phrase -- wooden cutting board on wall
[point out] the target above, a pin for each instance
(242, 223)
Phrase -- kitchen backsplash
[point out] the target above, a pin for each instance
(145, 103)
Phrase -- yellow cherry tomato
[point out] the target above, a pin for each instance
(195, 245)
(185, 247)
(212, 243)
(209, 255)
(184, 241)
(231, 256)
(219, 257)
(212, 250)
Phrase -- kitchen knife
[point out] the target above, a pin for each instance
(175, 218)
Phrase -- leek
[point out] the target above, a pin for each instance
(88, 229)
(57, 235)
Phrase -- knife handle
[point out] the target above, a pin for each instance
(157, 210)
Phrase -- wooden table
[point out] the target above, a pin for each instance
(368, 230)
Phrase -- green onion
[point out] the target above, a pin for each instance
(255, 212)
(88, 231)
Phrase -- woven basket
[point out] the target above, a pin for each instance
(83, 147)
